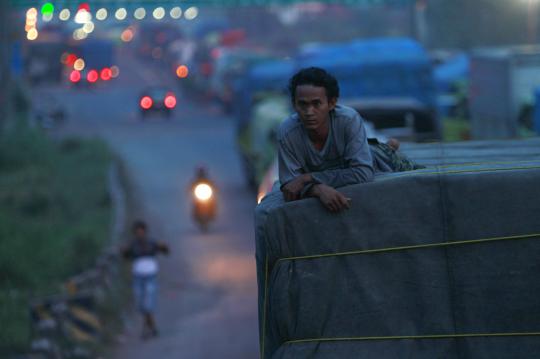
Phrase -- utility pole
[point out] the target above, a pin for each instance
(5, 58)
(419, 28)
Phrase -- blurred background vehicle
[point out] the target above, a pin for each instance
(157, 100)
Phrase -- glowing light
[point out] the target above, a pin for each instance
(79, 34)
(88, 27)
(203, 192)
(75, 76)
(106, 74)
(47, 8)
(101, 14)
(32, 34)
(70, 59)
(120, 14)
(31, 21)
(92, 76)
(79, 65)
(170, 101)
(47, 17)
(84, 7)
(157, 53)
(115, 71)
(32, 13)
(82, 17)
(182, 71)
(29, 27)
(176, 12)
(146, 102)
(158, 13)
(139, 13)
(127, 35)
(64, 15)
(191, 13)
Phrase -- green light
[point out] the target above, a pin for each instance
(47, 8)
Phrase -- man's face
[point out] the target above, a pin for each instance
(313, 106)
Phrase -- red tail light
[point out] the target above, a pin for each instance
(92, 76)
(106, 74)
(170, 101)
(75, 76)
(146, 102)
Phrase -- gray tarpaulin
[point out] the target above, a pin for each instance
(457, 274)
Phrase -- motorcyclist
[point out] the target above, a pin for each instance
(203, 211)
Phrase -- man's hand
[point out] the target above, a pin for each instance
(333, 200)
(291, 191)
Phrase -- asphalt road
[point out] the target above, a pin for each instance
(207, 305)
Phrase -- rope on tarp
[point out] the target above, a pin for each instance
(415, 337)
(389, 250)
(411, 247)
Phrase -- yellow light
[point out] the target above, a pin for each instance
(203, 192)
(115, 71)
(159, 13)
(191, 13)
(32, 34)
(79, 65)
(120, 14)
(28, 27)
(64, 15)
(260, 197)
(176, 12)
(182, 71)
(79, 34)
(88, 27)
(32, 13)
(82, 17)
(139, 13)
(101, 14)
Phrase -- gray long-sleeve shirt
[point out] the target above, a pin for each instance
(345, 158)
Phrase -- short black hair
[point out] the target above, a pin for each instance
(317, 77)
(138, 224)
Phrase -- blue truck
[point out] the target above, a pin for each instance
(389, 81)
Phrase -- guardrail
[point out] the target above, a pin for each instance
(67, 324)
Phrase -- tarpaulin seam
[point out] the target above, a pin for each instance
(416, 246)
(443, 197)
(265, 304)
(415, 337)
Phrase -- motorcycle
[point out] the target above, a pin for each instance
(204, 202)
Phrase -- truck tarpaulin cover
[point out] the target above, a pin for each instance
(442, 262)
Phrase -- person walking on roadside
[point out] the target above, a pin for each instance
(142, 252)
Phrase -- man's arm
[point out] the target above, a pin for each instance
(291, 176)
(357, 157)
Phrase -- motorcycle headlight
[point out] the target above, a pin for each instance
(203, 192)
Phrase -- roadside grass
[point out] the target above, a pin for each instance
(55, 215)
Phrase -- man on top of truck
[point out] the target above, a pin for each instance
(324, 145)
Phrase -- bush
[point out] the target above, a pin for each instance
(54, 219)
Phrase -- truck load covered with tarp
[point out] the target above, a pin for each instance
(389, 81)
(266, 76)
(434, 263)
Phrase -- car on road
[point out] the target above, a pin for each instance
(158, 100)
